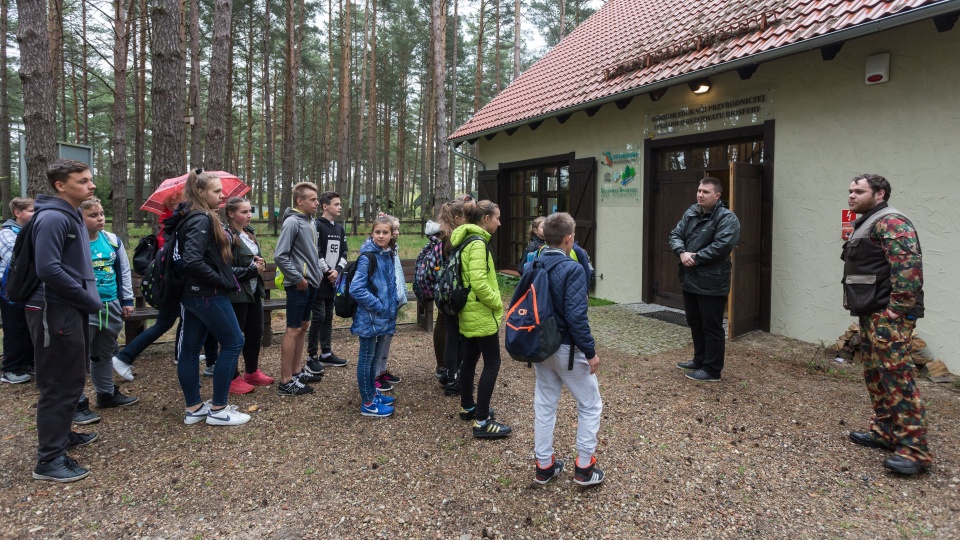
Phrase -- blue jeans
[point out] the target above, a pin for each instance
(371, 348)
(164, 322)
(202, 315)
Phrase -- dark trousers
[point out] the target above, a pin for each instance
(250, 319)
(489, 347)
(17, 346)
(321, 327)
(705, 317)
(60, 354)
(454, 345)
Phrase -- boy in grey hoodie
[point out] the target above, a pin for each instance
(297, 258)
(57, 316)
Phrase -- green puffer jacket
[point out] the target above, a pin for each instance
(484, 310)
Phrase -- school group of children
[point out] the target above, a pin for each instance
(221, 311)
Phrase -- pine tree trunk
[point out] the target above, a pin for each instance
(478, 76)
(516, 39)
(343, 133)
(167, 91)
(193, 98)
(292, 64)
(563, 16)
(6, 179)
(372, 113)
(443, 191)
(496, 45)
(118, 156)
(271, 177)
(55, 29)
(84, 137)
(39, 105)
(248, 158)
(140, 182)
(218, 91)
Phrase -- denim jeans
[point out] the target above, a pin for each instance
(202, 315)
(164, 322)
(371, 348)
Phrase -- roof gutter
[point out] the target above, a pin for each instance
(866, 29)
(453, 148)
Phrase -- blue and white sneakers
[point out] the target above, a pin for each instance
(376, 409)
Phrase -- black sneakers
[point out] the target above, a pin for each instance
(313, 366)
(80, 439)
(116, 399)
(702, 376)
(307, 376)
(688, 365)
(294, 388)
(588, 476)
(61, 469)
(545, 475)
(83, 415)
(332, 360)
(490, 429)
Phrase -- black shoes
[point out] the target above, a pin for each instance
(702, 376)
(903, 465)
(80, 439)
(545, 475)
(116, 399)
(314, 367)
(83, 415)
(490, 429)
(332, 361)
(307, 376)
(588, 476)
(689, 364)
(61, 469)
(868, 439)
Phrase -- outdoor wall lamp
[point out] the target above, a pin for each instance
(700, 86)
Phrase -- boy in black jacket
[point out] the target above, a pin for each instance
(332, 247)
(57, 316)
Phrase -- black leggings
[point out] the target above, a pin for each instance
(489, 347)
(250, 319)
(448, 344)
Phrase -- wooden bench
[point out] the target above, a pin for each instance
(143, 312)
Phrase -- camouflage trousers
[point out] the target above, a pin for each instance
(899, 418)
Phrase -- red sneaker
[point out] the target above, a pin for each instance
(239, 386)
(258, 378)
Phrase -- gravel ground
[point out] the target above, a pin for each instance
(763, 454)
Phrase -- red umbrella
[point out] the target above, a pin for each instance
(172, 189)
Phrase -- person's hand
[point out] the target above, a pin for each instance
(332, 276)
(594, 364)
(127, 311)
(890, 315)
(688, 258)
(302, 286)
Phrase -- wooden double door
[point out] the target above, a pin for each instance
(673, 192)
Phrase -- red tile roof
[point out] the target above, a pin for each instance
(626, 33)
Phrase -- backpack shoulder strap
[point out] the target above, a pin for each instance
(864, 228)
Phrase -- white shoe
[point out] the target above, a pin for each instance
(123, 369)
(198, 415)
(227, 416)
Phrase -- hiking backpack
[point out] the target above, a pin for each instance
(163, 283)
(532, 332)
(145, 252)
(427, 270)
(450, 293)
(21, 274)
(344, 304)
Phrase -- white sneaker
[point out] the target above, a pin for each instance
(227, 416)
(123, 369)
(198, 415)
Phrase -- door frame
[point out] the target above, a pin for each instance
(766, 132)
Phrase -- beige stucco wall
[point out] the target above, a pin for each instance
(829, 127)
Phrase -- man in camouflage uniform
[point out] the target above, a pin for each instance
(883, 285)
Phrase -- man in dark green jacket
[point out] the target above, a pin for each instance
(703, 240)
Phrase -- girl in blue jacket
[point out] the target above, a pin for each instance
(376, 317)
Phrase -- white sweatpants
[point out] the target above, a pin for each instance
(552, 376)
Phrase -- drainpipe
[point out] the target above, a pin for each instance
(453, 149)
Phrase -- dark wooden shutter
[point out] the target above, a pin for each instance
(583, 203)
(488, 187)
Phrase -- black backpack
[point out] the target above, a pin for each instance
(163, 282)
(144, 253)
(22, 278)
(344, 304)
(450, 294)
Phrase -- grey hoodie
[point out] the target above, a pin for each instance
(296, 253)
(63, 260)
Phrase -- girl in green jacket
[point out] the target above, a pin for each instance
(480, 318)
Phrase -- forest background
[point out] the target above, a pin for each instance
(357, 96)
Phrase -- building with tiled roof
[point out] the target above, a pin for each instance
(783, 100)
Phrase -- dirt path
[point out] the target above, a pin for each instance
(763, 454)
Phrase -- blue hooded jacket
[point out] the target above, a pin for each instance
(376, 314)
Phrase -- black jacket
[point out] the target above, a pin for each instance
(332, 249)
(206, 272)
(248, 277)
(712, 237)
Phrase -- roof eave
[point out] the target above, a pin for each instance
(861, 30)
